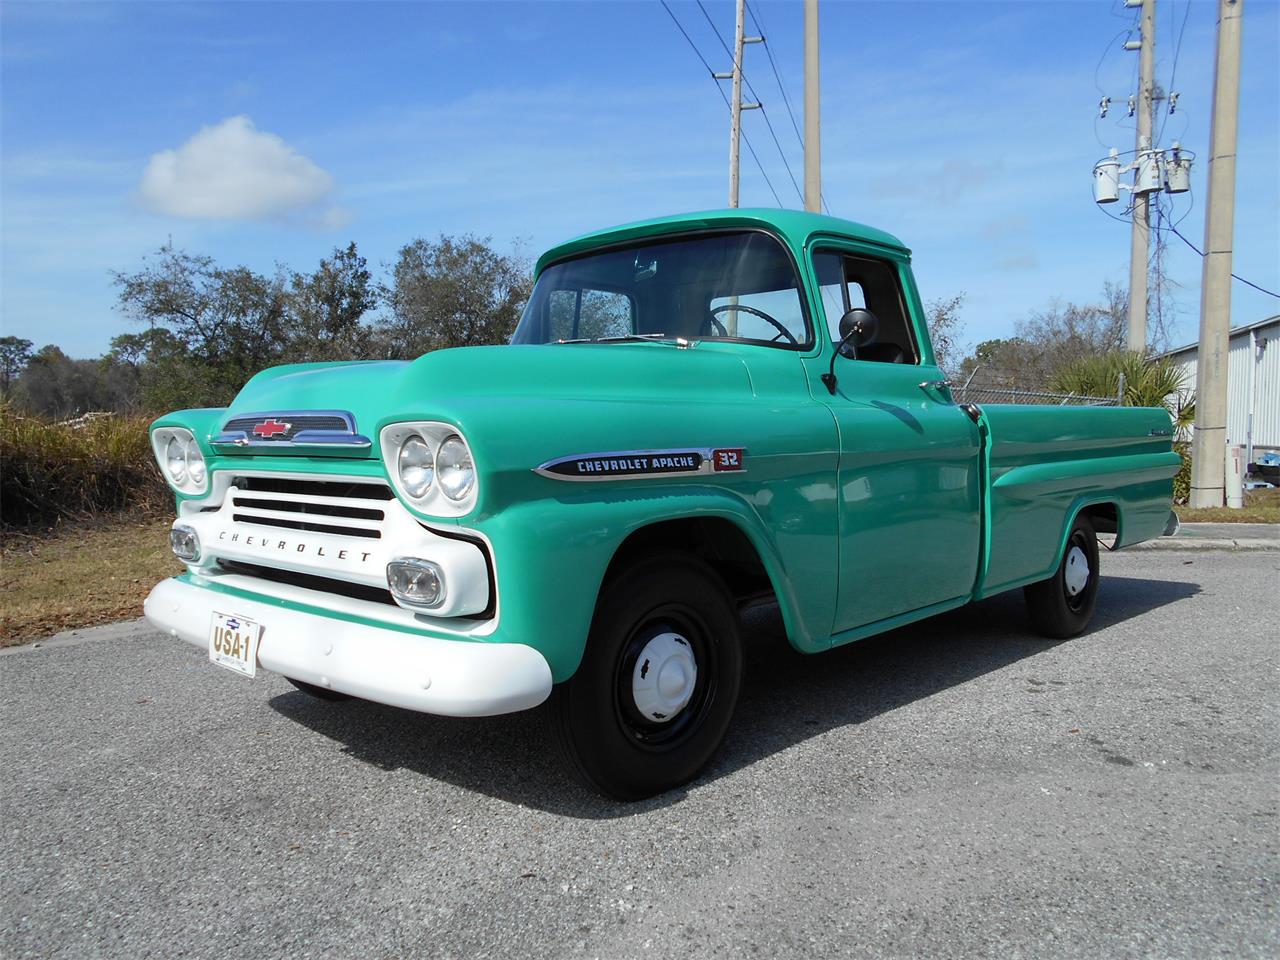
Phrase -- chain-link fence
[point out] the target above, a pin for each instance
(984, 394)
(977, 389)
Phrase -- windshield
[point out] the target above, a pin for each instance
(728, 286)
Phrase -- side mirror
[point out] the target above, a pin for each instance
(858, 329)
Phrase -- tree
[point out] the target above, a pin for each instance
(15, 353)
(55, 385)
(150, 371)
(1052, 339)
(1065, 332)
(325, 309)
(945, 330)
(453, 292)
(232, 321)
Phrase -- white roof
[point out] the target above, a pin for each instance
(1231, 335)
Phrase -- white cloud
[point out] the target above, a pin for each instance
(233, 171)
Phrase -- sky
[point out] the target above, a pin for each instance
(262, 133)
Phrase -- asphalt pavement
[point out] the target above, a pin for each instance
(955, 789)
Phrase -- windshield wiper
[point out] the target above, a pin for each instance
(623, 337)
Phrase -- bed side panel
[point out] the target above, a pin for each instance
(1047, 463)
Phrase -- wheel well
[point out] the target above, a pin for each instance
(1104, 516)
(718, 542)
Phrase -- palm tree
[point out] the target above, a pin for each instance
(1146, 383)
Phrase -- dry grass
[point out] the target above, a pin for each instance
(80, 575)
(1260, 506)
(67, 471)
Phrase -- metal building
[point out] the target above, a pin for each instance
(1253, 384)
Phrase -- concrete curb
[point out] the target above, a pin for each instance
(77, 636)
(1187, 543)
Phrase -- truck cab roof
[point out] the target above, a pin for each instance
(795, 226)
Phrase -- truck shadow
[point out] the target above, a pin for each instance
(787, 698)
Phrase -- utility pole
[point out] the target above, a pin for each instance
(812, 123)
(1209, 447)
(736, 106)
(1140, 245)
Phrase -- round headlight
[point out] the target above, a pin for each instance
(175, 458)
(457, 473)
(195, 463)
(416, 466)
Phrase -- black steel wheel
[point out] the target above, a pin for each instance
(652, 699)
(1063, 605)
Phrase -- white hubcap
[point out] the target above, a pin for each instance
(664, 677)
(1076, 575)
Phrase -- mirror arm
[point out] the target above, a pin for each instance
(829, 378)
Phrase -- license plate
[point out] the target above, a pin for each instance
(233, 643)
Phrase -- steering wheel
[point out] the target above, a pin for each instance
(776, 324)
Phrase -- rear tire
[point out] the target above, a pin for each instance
(1062, 606)
(659, 679)
(320, 693)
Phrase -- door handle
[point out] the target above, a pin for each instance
(934, 384)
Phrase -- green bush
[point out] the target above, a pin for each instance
(1182, 479)
(60, 471)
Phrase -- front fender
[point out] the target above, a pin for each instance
(551, 555)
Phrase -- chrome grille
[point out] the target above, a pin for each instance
(296, 424)
(319, 506)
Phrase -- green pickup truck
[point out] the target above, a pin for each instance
(695, 413)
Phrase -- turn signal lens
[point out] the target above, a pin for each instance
(185, 543)
(416, 583)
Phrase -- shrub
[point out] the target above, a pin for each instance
(59, 471)
(1182, 479)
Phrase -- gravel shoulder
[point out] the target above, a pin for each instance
(954, 789)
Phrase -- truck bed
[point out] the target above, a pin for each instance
(1043, 464)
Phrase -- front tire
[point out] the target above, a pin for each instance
(1062, 606)
(659, 679)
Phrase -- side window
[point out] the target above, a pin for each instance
(586, 314)
(846, 282)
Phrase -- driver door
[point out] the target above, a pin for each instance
(908, 482)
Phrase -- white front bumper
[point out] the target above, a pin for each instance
(460, 678)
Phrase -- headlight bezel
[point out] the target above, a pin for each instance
(434, 501)
(194, 480)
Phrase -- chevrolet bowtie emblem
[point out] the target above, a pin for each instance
(269, 428)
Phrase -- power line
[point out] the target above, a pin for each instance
(692, 46)
(756, 97)
(711, 73)
(1247, 283)
(782, 88)
(776, 75)
(1173, 70)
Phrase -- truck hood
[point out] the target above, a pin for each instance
(462, 384)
